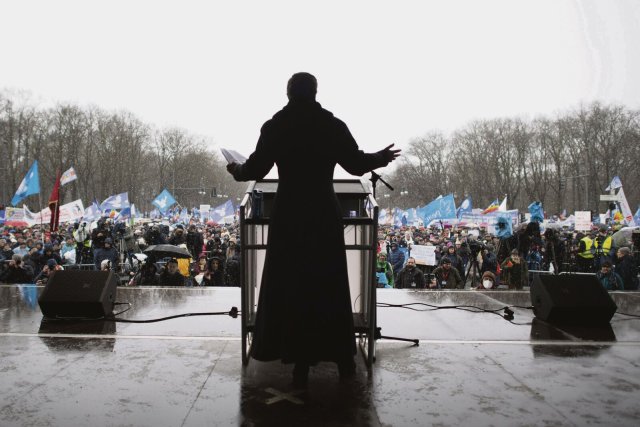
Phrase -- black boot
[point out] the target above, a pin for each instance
(300, 374)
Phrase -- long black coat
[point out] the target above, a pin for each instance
(304, 308)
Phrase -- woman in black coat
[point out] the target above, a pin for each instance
(304, 309)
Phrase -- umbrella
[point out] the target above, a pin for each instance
(166, 251)
(622, 237)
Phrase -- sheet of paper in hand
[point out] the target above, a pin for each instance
(233, 156)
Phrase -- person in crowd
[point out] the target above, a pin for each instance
(47, 270)
(107, 252)
(99, 235)
(6, 252)
(195, 241)
(170, 275)
(446, 276)
(21, 249)
(602, 248)
(49, 253)
(178, 237)
(69, 245)
(489, 260)
(232, 267)
(384, 271)
(454, 258)
(314, 322)
(396, 256)
(609, 279)
(200, 271)
(534, 258)
(487, 281)
(553, 251)
(584, 257)
(216, 248)
(15, 272)
(627, 268)
(514, 271)
(147, 275)
(410, 277)
(154, 236)
(216, 271)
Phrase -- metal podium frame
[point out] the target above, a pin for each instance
(360, 217)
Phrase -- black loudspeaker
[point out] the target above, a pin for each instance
(571, 299)
(78, 293)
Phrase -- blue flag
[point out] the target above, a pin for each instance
(163, 201)
(226, 209)
(636, 217)
(30, 185)
(119, 201)
(504, 225)
(537, 214)
(440, 208)
(465, 207)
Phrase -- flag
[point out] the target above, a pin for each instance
(54, 205)
(184, 215)
(636, 217)
(504, 225)
(30, 185)
(492, 207)
(440, 208)
(92, 212)
(68, 176)
(465, 207)
(615, 183)
(537, 214)
(503, 205)
(163, 201)
(118, 201)
(123, 215)
(626, 209)
(224, 210)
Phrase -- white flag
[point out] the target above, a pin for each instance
(68, 176)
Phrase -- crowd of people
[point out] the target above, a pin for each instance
(31, 254)
(477, 259)
(464, 258)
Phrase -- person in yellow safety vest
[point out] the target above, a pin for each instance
(584, 260)
(602, 248)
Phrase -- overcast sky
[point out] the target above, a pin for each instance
(392, 70)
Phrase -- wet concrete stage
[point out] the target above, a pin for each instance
(470, 369)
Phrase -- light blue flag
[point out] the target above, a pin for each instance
(119, 201)
(163, 201)
(92, 212)
(615, 184)
(465, 207)
(123, 215)
(537, 214)
(30, 185)
(504, 225)
(440, 208)
(184, 215)
(224, 210)
(636, 217)
(397, 217)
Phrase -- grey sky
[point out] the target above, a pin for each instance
(391, 70)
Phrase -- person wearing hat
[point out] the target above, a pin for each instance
(107, 252)
(384, 271)
(47, 270)
(447, 277)
(487, 282)
(456, 260)
(514, 271)
(200, 271)
(396, 258)
(609, 279)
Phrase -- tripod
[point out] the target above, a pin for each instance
(473, 269)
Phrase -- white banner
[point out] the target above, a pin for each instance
(626, 210)
(424, 255)
(583, 220)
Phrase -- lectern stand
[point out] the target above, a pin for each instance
(360, 213)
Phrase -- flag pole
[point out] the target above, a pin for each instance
(41, 225)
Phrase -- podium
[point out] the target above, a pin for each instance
(360, 218)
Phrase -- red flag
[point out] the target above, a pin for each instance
(54, 205)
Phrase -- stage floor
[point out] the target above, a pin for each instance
(470, 369)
